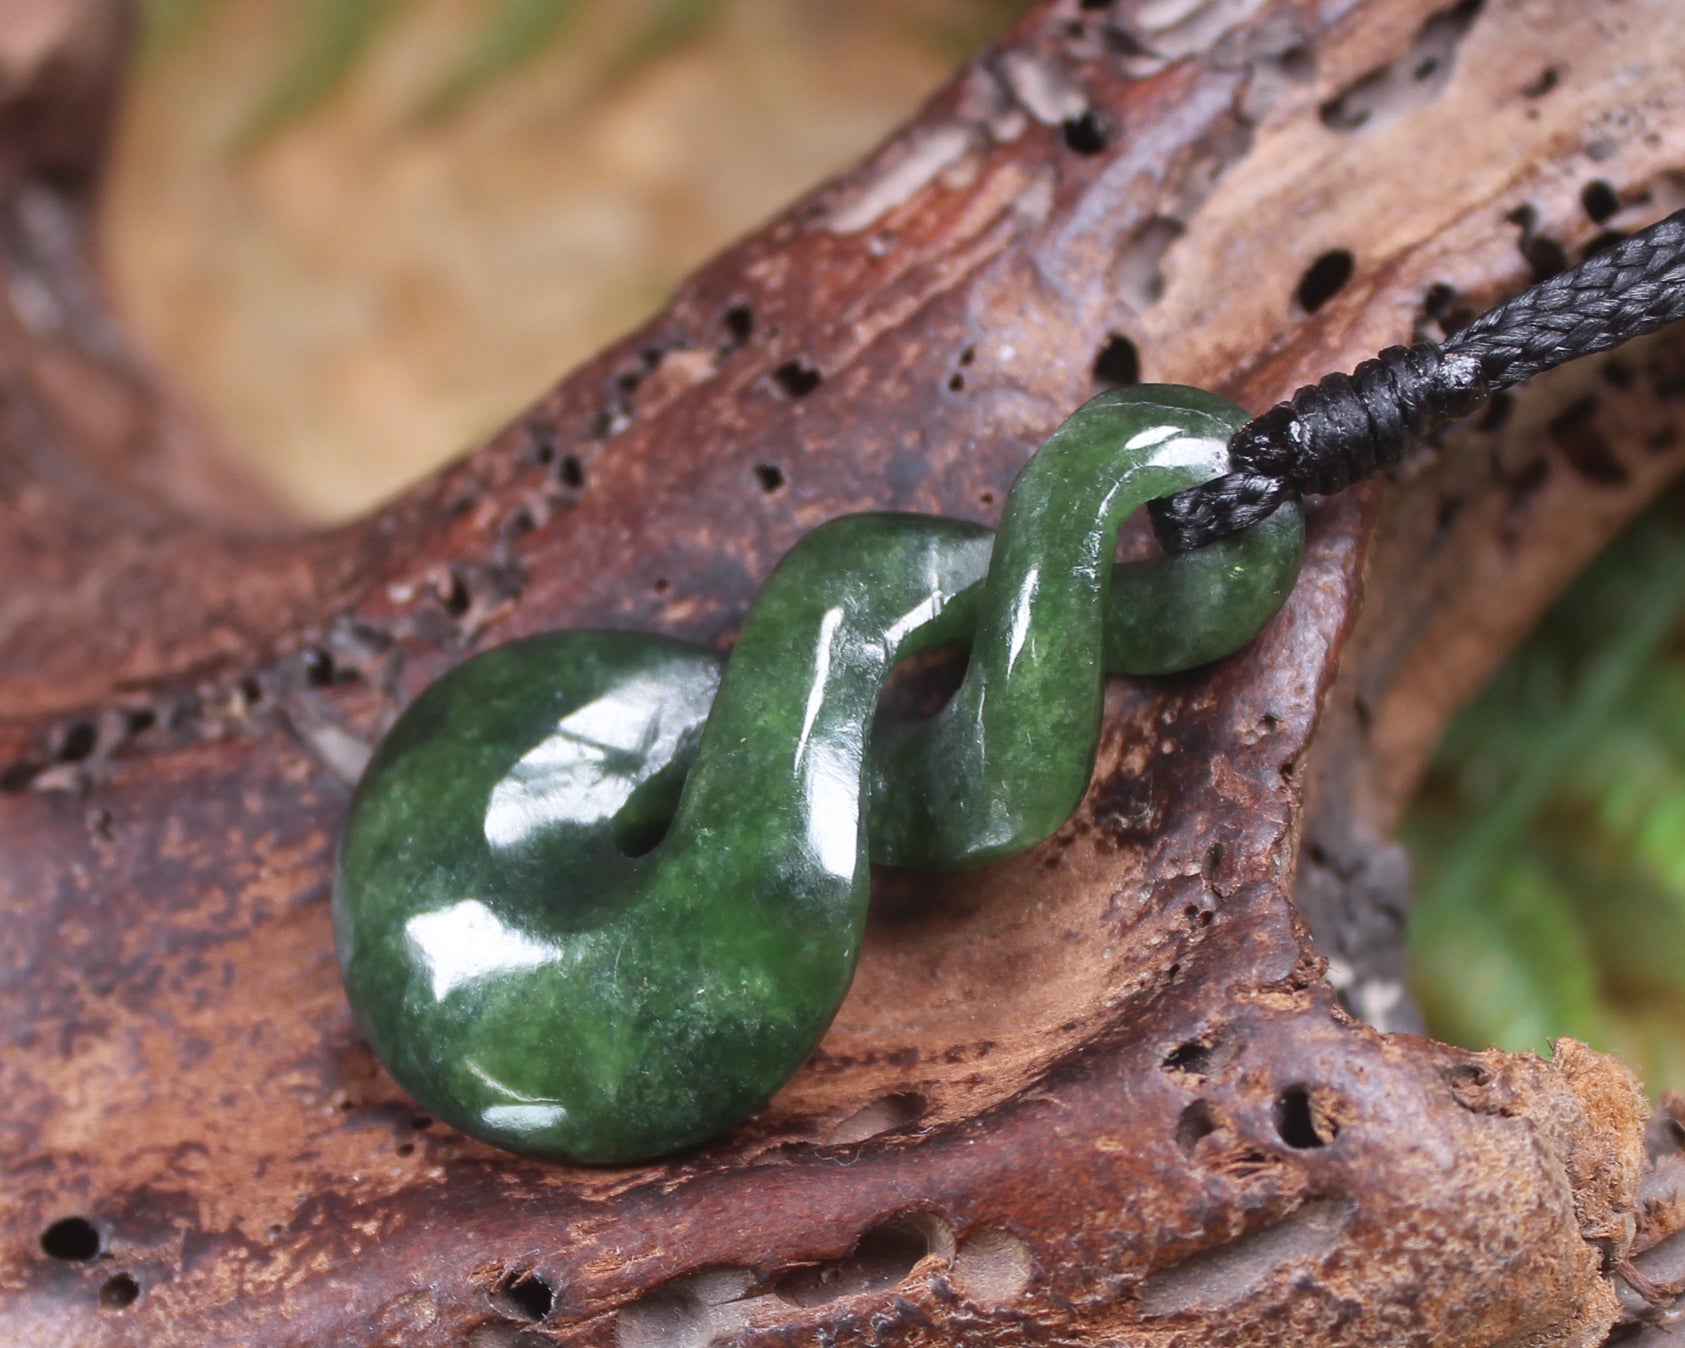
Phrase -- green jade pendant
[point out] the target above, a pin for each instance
(601, 893)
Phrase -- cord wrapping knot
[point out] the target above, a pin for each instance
(1334, 433)
(1327, 436)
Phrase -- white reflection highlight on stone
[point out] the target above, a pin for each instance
(467, 941)
(1021, 614)
(1152, 435)
(833, 805)
(828, 769)
(828, 626)
(925, 611)
(524, 1118)
(587, 766)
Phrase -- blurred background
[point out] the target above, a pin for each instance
(362, 233)
(1549, 840)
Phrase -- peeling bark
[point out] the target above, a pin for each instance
(1108, 1092)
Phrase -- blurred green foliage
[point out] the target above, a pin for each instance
(166, 22)
(333, 37)
(1549, 839)
(519, 32)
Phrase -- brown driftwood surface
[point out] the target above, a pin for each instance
(1102, 1094)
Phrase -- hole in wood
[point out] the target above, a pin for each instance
(1546, 257)
(1197, 1121)
(1443, 306)
(770, 476)
(881, 1116)
(138, 720)
(523, 1295)
(1229, 1273)
(19, 776)
(1303, 1120)
(1117, 364)
(881, 1259)
(77, 743)
(1324, 279)
(689, 1312)
(454, 597)
(992, 1266)
(739, 322)
(796, 379)
(118, 1291)
(1193, 1057)
(319, 670)
(541, 443)
(72, 1238)
(1138, 267)
(1413, 80)
(1599, 200)
(1089, 133)
(1203, 1055)
(1544, 254)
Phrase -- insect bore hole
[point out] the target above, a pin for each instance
(118, 1291)
(1324, 279)
(1090, 133)
(1599, 200)
(1300, 1123)
(795, 379)
(74, 1239)
(524, 1296)
(739, 323)
(1118, 363)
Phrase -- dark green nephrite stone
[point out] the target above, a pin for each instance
(599, 894)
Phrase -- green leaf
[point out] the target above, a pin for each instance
(336, 35)
(1505, 964)
(1550, 840)
(1559, 743)
(671, 25)
(167, 22)
(520, 31)
(1634, 928)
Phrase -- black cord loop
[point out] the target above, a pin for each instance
(1339, 431)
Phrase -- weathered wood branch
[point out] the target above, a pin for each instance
(1103, 1093)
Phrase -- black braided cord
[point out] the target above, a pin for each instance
(1331, 434)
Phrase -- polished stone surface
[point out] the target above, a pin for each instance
(598, 898)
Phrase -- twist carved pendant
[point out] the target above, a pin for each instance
(601, 893)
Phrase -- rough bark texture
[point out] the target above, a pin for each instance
(1102, 1094)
